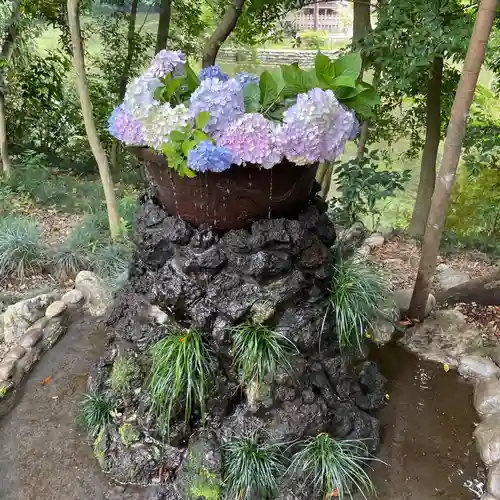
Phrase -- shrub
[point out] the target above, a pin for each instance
(111, 262)
(21, 247)
(314, 39)
(94, 412)
(252, 467)
(122, 374)
(73, 255)
(258, 352)
(356, 290)
(333, 468)
(182, 365)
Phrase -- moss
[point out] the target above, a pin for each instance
(122, 374)
(100, 447)
(129, 434)
(202, 482)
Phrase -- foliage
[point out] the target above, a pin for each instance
(362, 185)
(474, 216)
(94, 412)
(122, 374)
(356, 290)
(252, 467)
(21, 248)
(182, 364)
(314, 39)
(334, 468)
(259, 352)
(201, 482)
(112, 261)
(73, 255)
(129, 434)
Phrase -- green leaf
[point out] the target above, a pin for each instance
(159, 94)
(172, 86)
(343, 81)
(268, 89)
(348, 65)
(251, 97)
(364, 102)
(297, 80)
(324, 68)
(199, 135)
(192, 79)
(177, 136)
(202, 119)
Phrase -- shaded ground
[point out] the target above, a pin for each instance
(42, 456)
(427, 432)
(427, 429)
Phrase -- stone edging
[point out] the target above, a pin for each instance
(486, 376)
(34, 325)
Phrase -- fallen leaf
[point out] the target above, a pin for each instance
(387, 396)
(405, 322)
(46, 380)
(446, 367)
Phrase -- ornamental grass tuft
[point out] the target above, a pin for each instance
(252, 468)
(356, 291)
(94, 412)
(21, 248)
(259, 351)
(333, 468)
(182, 365)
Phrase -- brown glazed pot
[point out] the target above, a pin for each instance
(232, 199)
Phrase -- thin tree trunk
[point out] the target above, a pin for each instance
(316, 16)
(365, 126)
(8, 43)
(223, 30)
(431, 147)
(451, 156)
(130, 50)
(324, 179)
(362, 25)
(90, 128)
(163, 25)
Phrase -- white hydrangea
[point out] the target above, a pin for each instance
(139, 97)
(160, 122)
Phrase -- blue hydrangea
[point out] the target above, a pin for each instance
(213, 72)
(223, 100)
(167, 61)
(245, 78)
(124, 127)
(207, 157)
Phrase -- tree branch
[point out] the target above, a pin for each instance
(223, 30)
(163, 25)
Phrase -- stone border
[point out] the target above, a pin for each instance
(36, 324)
(485, 374)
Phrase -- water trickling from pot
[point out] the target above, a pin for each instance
(174, 190)
(270, 193)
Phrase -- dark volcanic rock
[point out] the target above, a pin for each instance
(275, 274)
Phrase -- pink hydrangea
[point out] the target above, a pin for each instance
(252, 139)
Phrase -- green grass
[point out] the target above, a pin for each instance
(94, 412)
(182, 365)
(258, 352)
(252, 468)
(356, 291)
(22, 251)
(122, 374)
(331, 466)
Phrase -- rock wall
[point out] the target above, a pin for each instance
(268, 57)
(277, 273)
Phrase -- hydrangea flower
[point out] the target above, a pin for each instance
(213, 72)
(166, 61)
(162, 120)
(252, 139)
(207, 157)
(223, 100)
(316, 128)
(139, 97)
(245, 78)
(124, 127)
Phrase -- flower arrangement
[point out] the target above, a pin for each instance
(209, 122)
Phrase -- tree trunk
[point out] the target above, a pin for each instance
(431, 147)
(223, 30)
(316, 17)
(130, 50)
(324, 179)
(365, 126)
(4, 151)
(90, 128)
(485, 291)
(163, 25)
(8, 43)
(451, 156)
